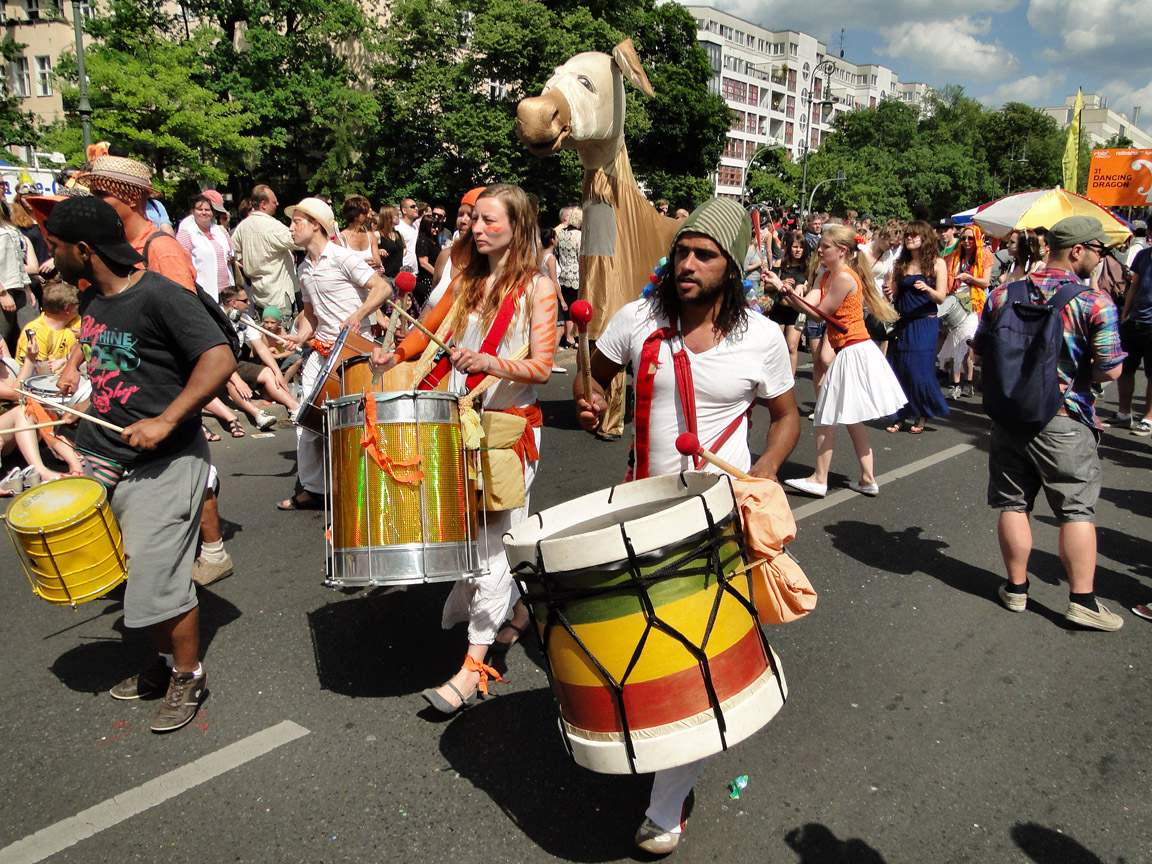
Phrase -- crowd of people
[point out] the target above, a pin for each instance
(203, 316)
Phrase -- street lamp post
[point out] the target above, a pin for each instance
(826, 68)
(84, 107)
(840, 179)
(748, 167)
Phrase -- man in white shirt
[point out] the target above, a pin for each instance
(264, 249)
(735, 358)
(406, 228)
(339, 290)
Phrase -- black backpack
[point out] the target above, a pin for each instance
(1021, 350)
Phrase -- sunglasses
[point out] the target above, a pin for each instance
(1098, 248)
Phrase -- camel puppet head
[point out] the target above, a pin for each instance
(582, 106)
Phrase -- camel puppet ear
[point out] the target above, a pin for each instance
(626, 58)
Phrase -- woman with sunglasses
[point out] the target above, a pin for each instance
(918, 283)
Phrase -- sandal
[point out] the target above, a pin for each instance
(235, 428)
(209, 434)
(497, 647)
(915, 430)
(896, 427)
(312, 502)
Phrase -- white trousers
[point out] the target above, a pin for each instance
(670, 788)
(310, 445)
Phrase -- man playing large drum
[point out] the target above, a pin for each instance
(155, 359)
(340, 290)
(701, 359)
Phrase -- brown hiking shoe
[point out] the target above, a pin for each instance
(145, 685)
(185, 693)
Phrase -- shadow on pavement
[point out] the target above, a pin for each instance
(1045, 846)
(385, 642)
(99, 664)
(816, 844)
(572, 813)
(907, 552)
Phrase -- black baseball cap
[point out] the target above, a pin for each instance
(945, 223)
(92, 220)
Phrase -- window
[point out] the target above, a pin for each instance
(19, 78)
(873, 80)
(43, 76)
(791, 80)
(793, 48)
(33, 10)
(807, 71)
(497, 91)
(86, 10)
(790, 111)
(753, 94)
(728, 176)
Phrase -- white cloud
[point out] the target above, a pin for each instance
(1109, 36)
(950, 48)
(1031, 90)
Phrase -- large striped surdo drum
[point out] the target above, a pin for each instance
(642, 600)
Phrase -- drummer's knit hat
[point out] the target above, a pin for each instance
(723, 221)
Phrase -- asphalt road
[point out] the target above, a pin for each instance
(925, 722)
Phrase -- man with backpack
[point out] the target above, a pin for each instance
(1044, 341)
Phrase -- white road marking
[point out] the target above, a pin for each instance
(842, 495)
(68, 832)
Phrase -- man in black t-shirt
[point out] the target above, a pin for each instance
(155, 357)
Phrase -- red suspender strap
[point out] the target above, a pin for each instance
(645, 379)
(496, 332)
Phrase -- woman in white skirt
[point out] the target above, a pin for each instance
(859, 385)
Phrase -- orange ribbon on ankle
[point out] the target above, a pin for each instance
(473, 665)
(370, 441)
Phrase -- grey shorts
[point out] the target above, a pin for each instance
(158, 504)
(249, 373)
(1061, 459)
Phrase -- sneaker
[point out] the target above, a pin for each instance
(954, 393)
(967, 391)
(1105, 619)
(1012, 602)
(655, 840)
(869, 489)
(1120, 421)
(151, 682)
(205, 573)
(818, 490)
(1143, 611)
(265, 419)
(559, 369)
(185, 693)
(1143, 428)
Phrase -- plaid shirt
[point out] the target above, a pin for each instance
(1091, 338)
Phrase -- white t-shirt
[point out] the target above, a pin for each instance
(334, 286)
(750, 364)
(408, 232)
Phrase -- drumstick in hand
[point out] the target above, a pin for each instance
(581, 313)
(277, 336)
(420, 327)
(689, 445)
(60, 406)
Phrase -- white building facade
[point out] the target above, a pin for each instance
(778, 95)
(1098, 122)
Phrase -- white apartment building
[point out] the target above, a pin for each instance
(1098, 122)
(770, 80)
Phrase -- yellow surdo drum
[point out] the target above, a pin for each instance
(67, 539)
(404, 515)
(644, 607)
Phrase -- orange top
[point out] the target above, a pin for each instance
(850, 314)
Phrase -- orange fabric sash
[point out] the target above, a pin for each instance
(322, 346)
(474, 665)
(370, 441)
(525, 448)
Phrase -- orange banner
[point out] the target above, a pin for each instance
(1121, 178)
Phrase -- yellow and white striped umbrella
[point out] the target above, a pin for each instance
(1043, 208)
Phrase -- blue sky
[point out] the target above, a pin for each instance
(1031, 51)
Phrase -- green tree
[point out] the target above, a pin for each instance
(146, 91)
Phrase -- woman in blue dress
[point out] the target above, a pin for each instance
(918, 282)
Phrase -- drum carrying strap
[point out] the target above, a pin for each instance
(370, 441)
(645, 382)
(491, 344)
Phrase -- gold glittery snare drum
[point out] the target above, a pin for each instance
(401, 507)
